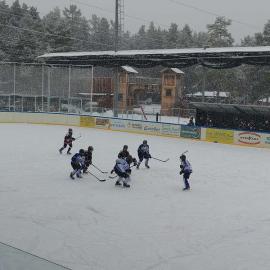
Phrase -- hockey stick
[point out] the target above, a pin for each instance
(161, 159)
(78, 137)
(112, 177)
(99, 179)
(98, 168)
(184, 152)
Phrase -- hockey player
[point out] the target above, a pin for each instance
(125, 154)
(77, 163)
(143, 153)
(186, 170)
(67, 141)
(122, 169)
(88, 158)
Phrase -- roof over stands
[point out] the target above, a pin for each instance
(218, 58)
(232, 108)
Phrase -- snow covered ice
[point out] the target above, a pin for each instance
(222, 223)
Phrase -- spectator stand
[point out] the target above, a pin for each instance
(232, 116)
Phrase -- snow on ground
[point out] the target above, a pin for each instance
(222, 223)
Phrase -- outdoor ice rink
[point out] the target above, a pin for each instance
(222, 223)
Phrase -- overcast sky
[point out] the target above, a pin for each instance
(248, 16)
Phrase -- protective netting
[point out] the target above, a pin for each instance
(36, 87)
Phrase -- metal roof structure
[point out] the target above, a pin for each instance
(209, 94)
(217, 58)
(232, 108)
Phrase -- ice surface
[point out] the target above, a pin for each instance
(222, 223)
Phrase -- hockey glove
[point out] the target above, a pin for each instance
(182, 166)
(181, 172)
(112, 171)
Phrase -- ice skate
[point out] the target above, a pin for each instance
(126, 185)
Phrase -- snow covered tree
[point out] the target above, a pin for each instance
(186, 37)
(77, 29)
(218, 34)
(172, 36)
(101, 32)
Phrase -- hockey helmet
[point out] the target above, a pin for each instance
(183, 157)
(125, 147)
(120, 155)
(90, 148)
(70, 130)
(144, 141)
(81, 152)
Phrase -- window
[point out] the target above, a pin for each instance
(120, 97)
(168, 92)
(169, 80)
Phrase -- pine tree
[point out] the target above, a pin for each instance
(218, 33)
(172, 36)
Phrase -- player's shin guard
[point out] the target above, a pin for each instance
(72, 174)
(79, 174)
(146, 163)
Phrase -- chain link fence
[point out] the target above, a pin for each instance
(67, 89)
(44, 88)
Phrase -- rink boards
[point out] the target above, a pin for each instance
(237, 137)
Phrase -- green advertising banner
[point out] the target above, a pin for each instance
(190, 132)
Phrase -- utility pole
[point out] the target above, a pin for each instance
(116, 68)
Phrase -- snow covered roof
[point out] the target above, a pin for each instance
(176, 70)
(129, 69)
(226, 57)
(209, 94)
(267, 99)
(95, 94)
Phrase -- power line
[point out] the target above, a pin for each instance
(57, 35)
(112, 12)
(212, 13)
(54, 35)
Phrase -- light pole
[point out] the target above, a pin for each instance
(116, 69)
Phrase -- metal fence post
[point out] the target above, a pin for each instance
(42, 88)
(92, 90)
(49, 90)
(14, 87)
(69, 86)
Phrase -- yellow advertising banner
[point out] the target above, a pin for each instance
(87, 121)
(219, 135)
(102, 122)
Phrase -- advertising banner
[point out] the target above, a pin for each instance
(219, 135)
(87, 121)
(266, 140)
(151, 128)
(170, 130)
(102, 122)
(118, 124)
(248, 138)
(190, 132)
(134, 126)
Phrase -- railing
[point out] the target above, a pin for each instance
(84, 106)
